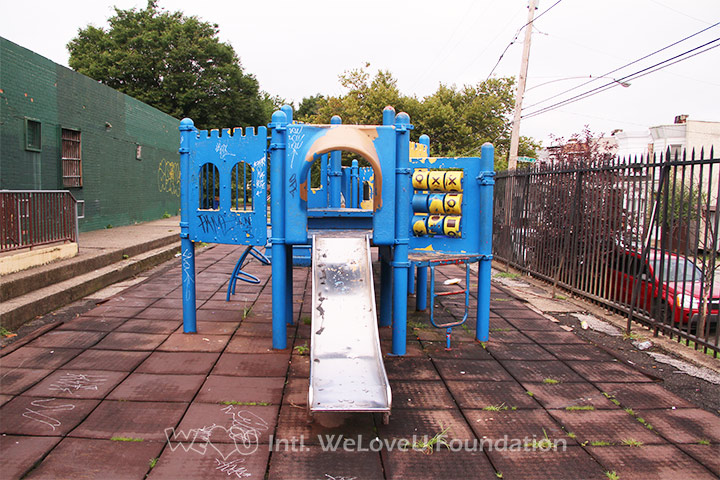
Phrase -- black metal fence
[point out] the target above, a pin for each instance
(638, 235)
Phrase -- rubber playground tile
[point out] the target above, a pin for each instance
(43, 416)
(210, 461)
(473, 394)
(684, 425)
(114, 311)
(499, 324)
(66, 339)
(223, 305)
(149, 326)
(194, 342)
(151, 290)
(613, 426)
(643, 396)
(578, 351)
(526, 425)
(467, 350)
(541, 370)
(421, 425)
(314, 462)
(413, 348)
(258, 329)
(5, 398)
(220, 388)
(128, 301)
(608, 372)
(206, 315)
(528, 351)
(20, 453)
(420, 394)
(535, 325)
(14, 381)
(155, 313)
(243, 344)
(560, 463)
(135, 420)
(468, 462)
(300, 366)
(39, 357)
(241, 424)
(98, 459)
(131, 341)
(707, 455)
(212, 328)
(410, 368)
(461, 369)
(553, 336)
(171, 303)
(295, 425)
(112, 360)
(150, 387)
(509, 336)
(253, 365)
(296, 391)
(180, 363)
(659, 462)
(100, 324)
(564, 395)
(66, 383)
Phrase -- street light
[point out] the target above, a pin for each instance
(622, 84)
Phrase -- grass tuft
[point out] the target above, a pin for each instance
(550, 381)
(247, 404)
(126, 439)
(579, 408)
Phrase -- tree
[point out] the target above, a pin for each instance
(458, 121)
(175, 63)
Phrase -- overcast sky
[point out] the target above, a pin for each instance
(298, 48)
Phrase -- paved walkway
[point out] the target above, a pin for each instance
(98, 396)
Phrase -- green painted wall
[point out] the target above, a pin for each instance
(118, 189)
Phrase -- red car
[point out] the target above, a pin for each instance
(676, 296)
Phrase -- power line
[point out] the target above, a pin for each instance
(517, 34)
(624, 66)
(640, 73)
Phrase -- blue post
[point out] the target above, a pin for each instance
(422, 272)
(289, 284)
(385, 286)
(388, 115)
(486, 180)
(335, 171)
(324, 184)
(403, 193)
(411, 279)
(354, 190)
(421, 295)
(278, 139)
(187, 138)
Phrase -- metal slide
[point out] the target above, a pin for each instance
(346, 367)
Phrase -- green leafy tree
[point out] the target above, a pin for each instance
(174, 63)
(458, 121)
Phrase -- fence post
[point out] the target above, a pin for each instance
(486, 180)
(187, 132)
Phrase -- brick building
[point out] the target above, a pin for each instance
(60, 130)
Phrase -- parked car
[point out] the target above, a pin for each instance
(670, 287)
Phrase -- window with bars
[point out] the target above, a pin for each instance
(71, 158)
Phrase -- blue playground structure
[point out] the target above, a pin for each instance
(420, 212)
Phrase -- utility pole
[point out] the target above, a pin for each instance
(515, 136)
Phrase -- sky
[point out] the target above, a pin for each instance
(296, 49)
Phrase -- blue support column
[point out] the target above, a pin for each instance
(386, 286)
(403, 194)
(354, 190)
(486, 180)
(421, 294)
(335, 171)
(411, 279)
(278, 139)
(187, 137)
(289, 284)
(422, 272)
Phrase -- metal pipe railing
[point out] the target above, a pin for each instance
(29, 218)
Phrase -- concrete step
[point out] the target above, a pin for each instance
(22, 308)
(22, 283)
